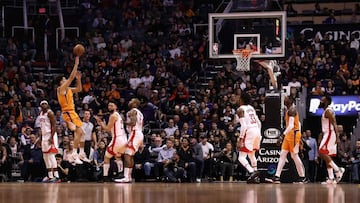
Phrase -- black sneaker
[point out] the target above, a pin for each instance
(273, 179)
(105, 179)
(254, 178)
(302, 180)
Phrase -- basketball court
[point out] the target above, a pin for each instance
(178, 192)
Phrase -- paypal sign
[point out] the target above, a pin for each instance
(342, 106)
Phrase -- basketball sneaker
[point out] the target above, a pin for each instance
(105, 179)
(45, 180)
(123, 180)
(254, 178)
(274, 179)
(328, 182)
(339, 174)
(54, 180)
(302, 180)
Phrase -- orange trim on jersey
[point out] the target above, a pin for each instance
(244, 149)
(323, 149)
(130, 144)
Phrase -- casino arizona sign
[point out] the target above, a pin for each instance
(335, 32)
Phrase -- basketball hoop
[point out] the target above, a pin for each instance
(243, 57)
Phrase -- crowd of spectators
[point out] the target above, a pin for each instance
(148, 49)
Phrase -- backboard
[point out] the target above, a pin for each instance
(265, 30)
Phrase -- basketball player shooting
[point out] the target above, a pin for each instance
(66, 102)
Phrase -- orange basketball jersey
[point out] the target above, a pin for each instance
(66, 101)
(296, 122)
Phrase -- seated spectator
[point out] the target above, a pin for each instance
(69, 154)
(113, 93)
(170, 129)
(197, 157)
(318, 89)
(3, 158)
(63, 168)
(99, 155)
(294, 83)
(331, 18)
(164, 157)
(154, 150)
(186, 155)
(25, 137)
(330, 88)
(141, 158)
(355, 160)
(29, 113)
(34, 167)
(227, 161)
(344, 147)
(186, 130)
(180, 95)
(200, 131)
(208, 154)
(174, 171)
(318, 9)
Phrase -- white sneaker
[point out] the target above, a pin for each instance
(339, 174)
(45, 179)
(329, 182)
(123, 180)
(198, 180)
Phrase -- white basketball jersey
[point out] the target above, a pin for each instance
(118, 129)
(139, 120)
(249, 115)
(45, 124)
(327, 126)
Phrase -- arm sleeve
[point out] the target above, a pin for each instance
(290, 126)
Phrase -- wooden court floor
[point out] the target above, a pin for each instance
(177, 193)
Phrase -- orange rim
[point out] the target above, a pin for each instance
(244, 52)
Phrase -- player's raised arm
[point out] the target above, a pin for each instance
(270, 71)
(78, 87)
(68, 82)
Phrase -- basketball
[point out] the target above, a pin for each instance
(79, 50)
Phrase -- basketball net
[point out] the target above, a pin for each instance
(243, 57)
